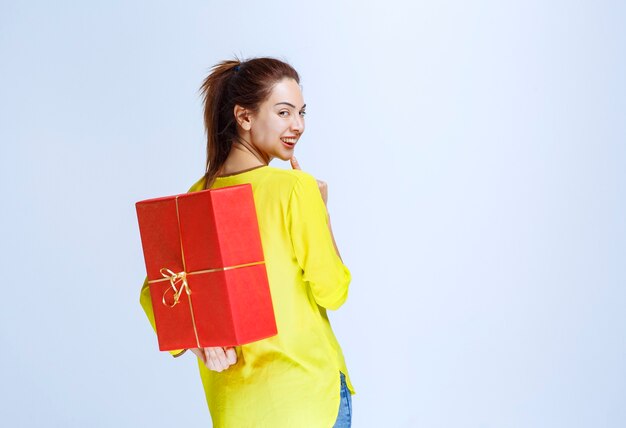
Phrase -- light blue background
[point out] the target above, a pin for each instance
(475, 155)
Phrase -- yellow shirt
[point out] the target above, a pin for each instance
(291, 379)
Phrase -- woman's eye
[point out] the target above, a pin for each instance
(283, 113)
(303, 113)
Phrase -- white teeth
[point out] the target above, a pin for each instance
(289, 140)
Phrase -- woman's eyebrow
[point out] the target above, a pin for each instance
(289, 104)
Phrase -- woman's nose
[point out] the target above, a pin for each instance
(298, 124)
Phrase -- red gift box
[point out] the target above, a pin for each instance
(206, 269)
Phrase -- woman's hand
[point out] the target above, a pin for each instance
(321, 184)
(216, 358)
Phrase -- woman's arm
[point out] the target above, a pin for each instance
(323, 186)
(313, 242)
(332, 236)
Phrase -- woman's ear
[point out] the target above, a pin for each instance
(242, 116)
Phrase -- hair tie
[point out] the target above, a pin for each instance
(237, 68)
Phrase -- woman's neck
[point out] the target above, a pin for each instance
(243, 155)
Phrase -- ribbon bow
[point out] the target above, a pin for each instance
(175, 278)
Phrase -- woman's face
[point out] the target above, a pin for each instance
(279, 122)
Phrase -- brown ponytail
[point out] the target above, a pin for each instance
(233, 82)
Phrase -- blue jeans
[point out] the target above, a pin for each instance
(344, 418)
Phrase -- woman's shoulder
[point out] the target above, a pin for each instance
(268, 175)
(290, 180)
(198, 185)
(292, 175)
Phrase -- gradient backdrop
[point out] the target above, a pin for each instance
(476, 158)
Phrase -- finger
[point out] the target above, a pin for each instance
(231, 355)
(199, 353)
(211, 366)
(221, 356)
(218, 357)
(294, 163)
(211, 361)
(207, 359)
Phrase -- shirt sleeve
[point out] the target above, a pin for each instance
(146, 304)
(312, 242)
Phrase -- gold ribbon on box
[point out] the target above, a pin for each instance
(176, 278)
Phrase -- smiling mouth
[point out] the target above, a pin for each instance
(289, 142)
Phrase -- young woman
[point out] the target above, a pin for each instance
(254, 112)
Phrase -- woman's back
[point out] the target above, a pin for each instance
(290, 379)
